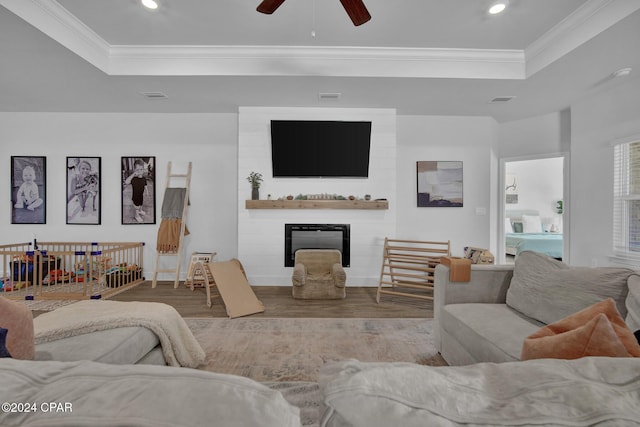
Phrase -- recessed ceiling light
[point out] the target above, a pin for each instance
(151, 4)
(498, 7)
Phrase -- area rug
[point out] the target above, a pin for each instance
(295, 349)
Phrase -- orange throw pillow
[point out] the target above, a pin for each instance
(17, 319)
(598, 330)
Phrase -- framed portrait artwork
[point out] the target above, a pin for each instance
(28, 189)
(439, 184)
(138, 190)
(84, 190)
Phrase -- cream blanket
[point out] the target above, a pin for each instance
(179, 346)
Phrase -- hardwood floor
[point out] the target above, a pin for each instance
(360, 302)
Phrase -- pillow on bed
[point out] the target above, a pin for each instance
(508, 228)
(517, 226)
(531, 224)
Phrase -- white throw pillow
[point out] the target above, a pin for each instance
(531, 224)
(508, 228)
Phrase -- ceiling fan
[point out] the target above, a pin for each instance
(355, 9)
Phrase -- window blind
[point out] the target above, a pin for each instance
(626, 199)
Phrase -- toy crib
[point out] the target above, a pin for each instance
(69, 270)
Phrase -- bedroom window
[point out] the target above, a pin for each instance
(626, 199)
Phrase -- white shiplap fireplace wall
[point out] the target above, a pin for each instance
(261, 231)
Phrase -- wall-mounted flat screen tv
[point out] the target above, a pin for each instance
(317, 149)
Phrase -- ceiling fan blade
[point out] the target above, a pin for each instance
(269, 6)
(356, 11)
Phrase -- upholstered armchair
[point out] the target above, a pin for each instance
(318, 274)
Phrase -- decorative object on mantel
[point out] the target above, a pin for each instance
(317, 204)
(324, 196)
(255, 179)
(319, 196)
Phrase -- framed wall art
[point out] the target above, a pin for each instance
(511, 189)
(439, 183)
(84, 190)
(138, 190)
(28, 189)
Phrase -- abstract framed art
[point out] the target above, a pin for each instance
(138, 190)
(84, 190)
(439, 183)
(28, 189)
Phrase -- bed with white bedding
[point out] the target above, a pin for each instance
(524, 232)
(546, 243)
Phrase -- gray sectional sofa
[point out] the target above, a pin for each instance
(488, 318)
(484, 320)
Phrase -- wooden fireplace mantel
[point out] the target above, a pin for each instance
(317, 204)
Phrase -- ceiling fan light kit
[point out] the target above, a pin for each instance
(356, 9)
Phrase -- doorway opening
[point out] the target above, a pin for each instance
(533, 207)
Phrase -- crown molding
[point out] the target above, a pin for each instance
(316, 61)
(586, 22)
(55, 21)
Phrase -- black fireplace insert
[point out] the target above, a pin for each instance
(316, 236)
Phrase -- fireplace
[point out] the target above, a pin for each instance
(316, 236)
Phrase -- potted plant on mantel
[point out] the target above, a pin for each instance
(255, 179)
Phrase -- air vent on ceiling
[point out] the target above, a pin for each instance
(327, 96)
(154, 95)
(501, 99)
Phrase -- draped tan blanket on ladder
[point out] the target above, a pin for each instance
(169, 235)
(169, 231)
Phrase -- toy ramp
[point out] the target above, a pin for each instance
(232, 284)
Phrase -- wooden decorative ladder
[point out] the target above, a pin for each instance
(186, 179)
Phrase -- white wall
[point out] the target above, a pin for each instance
(540, 135)
(219, 186)
(207, 140)
(466, 139)
(610, 112)
(261, 232)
